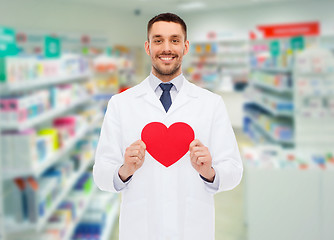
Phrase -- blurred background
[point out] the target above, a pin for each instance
(272, 61)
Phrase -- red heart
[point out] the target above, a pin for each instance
(167, 145)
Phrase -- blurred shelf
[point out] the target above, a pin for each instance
(6, 89)
(274, 112)
(272, 69)
(271, 88)
(80, 212)
(49, 161)
(254, 97)
(111, 220)
(269, 135)
(48, 115)
(13, 227)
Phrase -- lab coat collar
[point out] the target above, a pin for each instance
(187, 92)
(177, 81)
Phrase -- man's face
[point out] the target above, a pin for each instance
(166, 47)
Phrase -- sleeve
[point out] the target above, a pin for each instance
(212, 186)
(224, 151)
(118, 182)
(109, 156)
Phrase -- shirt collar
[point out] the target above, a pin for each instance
(177, 82)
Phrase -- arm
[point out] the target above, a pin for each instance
(108, 156)
(112, 171)
(224, 150)
(220, 167)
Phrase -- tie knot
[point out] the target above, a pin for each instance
(166, 86)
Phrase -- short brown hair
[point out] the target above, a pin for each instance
(167, 17)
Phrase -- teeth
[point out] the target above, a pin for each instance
(166, 59)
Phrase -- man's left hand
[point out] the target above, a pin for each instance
(201, 160)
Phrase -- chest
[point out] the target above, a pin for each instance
(136, 114)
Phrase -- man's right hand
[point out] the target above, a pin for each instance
(133, 159)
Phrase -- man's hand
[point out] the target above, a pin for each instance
(133, 159)
(201, 160)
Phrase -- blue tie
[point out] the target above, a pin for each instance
(165, 97)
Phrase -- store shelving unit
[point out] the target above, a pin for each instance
(48, 115)
(219, 65)
(12, 230)
(39, 226)
(274, 173)
(54, 158)
(80, 213)
(6, 89)
(1, 203)
(271, 90)
(111, 220)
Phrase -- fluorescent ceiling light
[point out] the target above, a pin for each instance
(191, 5)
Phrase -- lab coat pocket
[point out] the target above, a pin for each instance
(134, 220)
(199, 220)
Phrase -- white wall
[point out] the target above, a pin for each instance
(54, 16)
(126, 28)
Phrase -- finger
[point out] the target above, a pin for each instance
(193, 144)
(196, 149)
(142, 153)
(142, 144)
(135, 160)
(136, 153)
(201, 160)
(138, 142)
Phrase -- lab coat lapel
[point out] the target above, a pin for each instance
(146, 92)
(186, 93)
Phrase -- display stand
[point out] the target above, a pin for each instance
(10, 229)
(289, 195)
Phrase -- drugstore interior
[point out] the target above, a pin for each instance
(271, 61)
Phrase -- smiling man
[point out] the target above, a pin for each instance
(167, 201)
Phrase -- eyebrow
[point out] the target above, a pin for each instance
(173, 36)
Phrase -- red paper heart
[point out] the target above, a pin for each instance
(167, 145)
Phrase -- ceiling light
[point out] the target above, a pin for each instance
(191, 6)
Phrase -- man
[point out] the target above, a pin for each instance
(174, 202)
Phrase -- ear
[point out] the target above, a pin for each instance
(186, 47)
(147, 48)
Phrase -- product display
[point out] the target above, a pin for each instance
(16, 70)
(46, 151)
(219, 65)
(294, 150)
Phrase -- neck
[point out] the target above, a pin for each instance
(166, 78)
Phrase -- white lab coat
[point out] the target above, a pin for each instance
(171, 203)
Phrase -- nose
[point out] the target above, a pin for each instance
(167, 47)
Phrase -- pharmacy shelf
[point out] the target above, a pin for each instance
(52, 159)
(48, 115)
(49, 161)
(113, 214)
(269, 135)
(273, 69)
(13, 228)
(273, 111)
(7, 89)
(265, 86)
(80, 212)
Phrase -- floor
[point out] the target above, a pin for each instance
(229, 209)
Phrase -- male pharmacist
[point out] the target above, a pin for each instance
(164, 201)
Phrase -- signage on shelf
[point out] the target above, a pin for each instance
(297, 43)
(290, 30)
(8, 45)
(274, 48)
(52, 47)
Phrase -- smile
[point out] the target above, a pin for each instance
(166, 59)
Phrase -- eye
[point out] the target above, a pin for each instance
(175, 40)
(157, 41)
